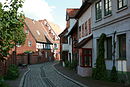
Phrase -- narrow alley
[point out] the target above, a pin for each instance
(64, 43)
(44, 75)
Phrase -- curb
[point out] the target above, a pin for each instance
(23, 78)
(76, 82)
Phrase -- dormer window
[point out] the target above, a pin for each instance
(45, 23)
(33, 22)
(49, 28)
(38, 32)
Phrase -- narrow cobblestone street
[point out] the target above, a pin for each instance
(44, 75)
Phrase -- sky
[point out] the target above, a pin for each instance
(52, 10)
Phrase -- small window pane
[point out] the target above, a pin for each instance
(87, 60)
(122, 4)
(108, 7)
(29, 43)
(98, 10)
(109, 48)
(122, 46)
(80, 32)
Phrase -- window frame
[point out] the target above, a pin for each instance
(29, 43)
(121, 37)
(47, 46)
(123, 6)
(82, 60)
(98, 10)
(83, 30)
(27, 32)
(109, 7)
(80, 31)
(86, 28)
(108, 47)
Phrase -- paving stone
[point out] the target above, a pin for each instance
(44, 75)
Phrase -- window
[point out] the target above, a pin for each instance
(122, 46)
(47, 46)
(38, 32)
(109, 47)
(108, 7)
(86, 32)
(18, 45)
(98, 6)
(55, 46)
(29, 43)
(122, 4)
(80, 32)
(86, 58)
(83, 34)
(89, 26)
(27, 32)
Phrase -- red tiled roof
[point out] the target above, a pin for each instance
(55, 27)
(35, 28)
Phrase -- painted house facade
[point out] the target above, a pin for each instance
(52, 31)
(112, 17)
(64, 47)
(67, 36)
(70, 18)
(84, 40)
(36, 42)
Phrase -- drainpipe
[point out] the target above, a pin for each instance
(114, 46)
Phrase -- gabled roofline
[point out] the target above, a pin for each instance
(30, 32)
(83, 8)
(62, 33)
(52, 29)
(47, 40)
(76, 24)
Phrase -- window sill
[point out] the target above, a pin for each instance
(107, 16)
(108, 59)
(121, 59)
(121, 9)
(98, 20)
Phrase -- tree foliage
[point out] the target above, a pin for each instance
(99, 72)
(113, 75)
(11, 26)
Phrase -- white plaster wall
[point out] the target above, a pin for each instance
(85, 16)
(39, 45)
(88, 45)
(82, 71)
(94, 51)
(72, 23)
(121, 28)
(115, 13)
(70, 47)
(128, 49)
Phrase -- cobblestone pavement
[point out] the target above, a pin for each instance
(44, 75)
